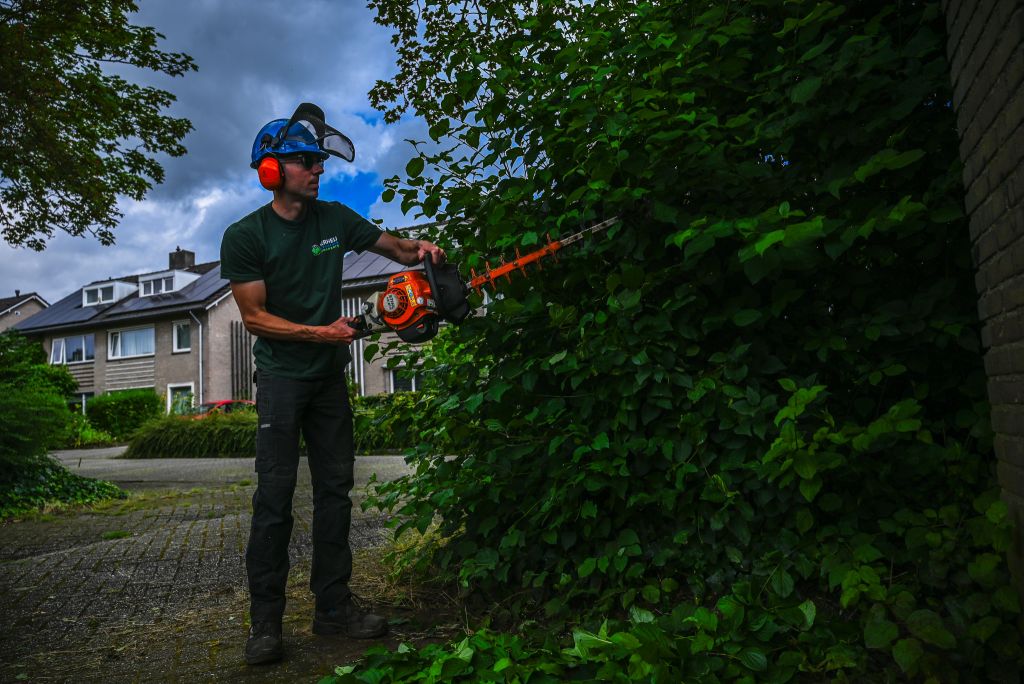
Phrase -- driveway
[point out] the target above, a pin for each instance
(153, 588)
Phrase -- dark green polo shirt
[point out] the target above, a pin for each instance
(301, 264)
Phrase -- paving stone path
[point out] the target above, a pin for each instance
(153, 589)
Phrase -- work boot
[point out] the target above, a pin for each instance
(346, 618)
(264, 643)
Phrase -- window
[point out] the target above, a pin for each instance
(75, 349)
(404, 381)
(179, 399)
(182, 336)
(99, 295)
(125, 343)
(157, 285)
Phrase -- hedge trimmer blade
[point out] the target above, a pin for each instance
(522, 260)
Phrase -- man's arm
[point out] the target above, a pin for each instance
(251, 299)
(407, 252)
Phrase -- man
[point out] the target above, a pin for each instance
(284, 262)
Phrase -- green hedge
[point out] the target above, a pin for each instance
(42, 481)
(122, 413)
(217, 435)
(382, 423)
(386, 422)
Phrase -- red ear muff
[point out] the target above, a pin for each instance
(271, 174)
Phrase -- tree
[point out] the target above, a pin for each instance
(755, 410)
(74, 137)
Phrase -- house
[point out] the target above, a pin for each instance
(179, 331)
(14, 310)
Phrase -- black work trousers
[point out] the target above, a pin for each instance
(320, 410)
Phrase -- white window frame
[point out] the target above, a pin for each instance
(119, 331)
(414, 379)
(98, 289)
(175, 347)
(178, 385)
(63, 350)
(149, 287)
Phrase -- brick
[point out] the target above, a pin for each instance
(966, 29)
(1012, 292)
(1001, 166)
(996, 82)
(1008, 420)
(981, 281)
(990, 304)
(1011, 478)
(1005, 359)
(1006, 389)
(1004, 329)
(991, 126)
(1010, 449)
(985, 247)
(986, 61)
(986, 214)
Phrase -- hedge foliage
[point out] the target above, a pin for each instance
(227, 435)
(34, 418)
(121, 413)
(381, 424)
(386, 422)
(757, 406)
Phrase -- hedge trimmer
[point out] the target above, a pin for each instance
(414, 303)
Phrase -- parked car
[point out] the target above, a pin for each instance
(222, 406)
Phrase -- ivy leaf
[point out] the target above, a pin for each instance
(782, 583)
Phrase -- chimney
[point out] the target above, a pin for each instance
(182, 259)
(17, 293)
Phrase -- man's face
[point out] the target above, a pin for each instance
(302, 174)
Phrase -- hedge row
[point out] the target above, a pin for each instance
(381, 424)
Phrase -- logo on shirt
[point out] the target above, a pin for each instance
(326, 245)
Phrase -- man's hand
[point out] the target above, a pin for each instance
(338, 332)
(408, 252)
(426, 249)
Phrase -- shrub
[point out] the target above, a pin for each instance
(386, 422)
(121, 413)
(218, 435)
(760, 393)
(81, 434)
(33, 419)
(42, 481)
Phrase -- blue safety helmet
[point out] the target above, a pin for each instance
(304, 132)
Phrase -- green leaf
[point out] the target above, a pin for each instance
(809, 612)
(880, 633)
(782, 583)
(928, 626)
(810, 488)
(415, 167)
(805, 89)
(754, 659)
(745, 317)
(907, 653)
(587, 567)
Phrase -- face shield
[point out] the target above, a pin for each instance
(307, 126)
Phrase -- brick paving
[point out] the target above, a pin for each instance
(154, 589)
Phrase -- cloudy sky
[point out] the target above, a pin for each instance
(257, 61)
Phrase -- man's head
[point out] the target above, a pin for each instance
(301, 141)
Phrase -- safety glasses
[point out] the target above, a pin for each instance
(307, 159)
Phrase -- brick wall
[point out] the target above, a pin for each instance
(986, 53)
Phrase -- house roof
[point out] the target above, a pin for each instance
(69, 312)
(8, 303)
